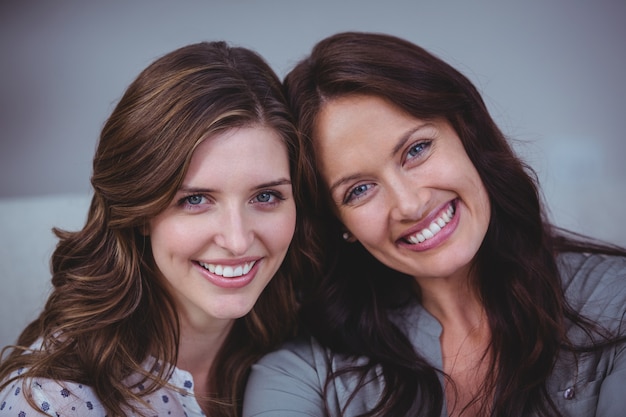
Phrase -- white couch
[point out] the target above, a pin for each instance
(26, 244)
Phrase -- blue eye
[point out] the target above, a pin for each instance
(264, 197)
(194, 199)
(417, 149)
(268, 197)
(193, 202)
(357, 192)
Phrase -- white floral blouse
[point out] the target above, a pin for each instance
(70, 399)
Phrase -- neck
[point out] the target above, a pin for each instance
(464, 340)
(197, 351)
(452, 301)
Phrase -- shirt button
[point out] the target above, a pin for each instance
(569, 393)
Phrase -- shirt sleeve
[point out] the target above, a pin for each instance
(612, 397)
(285, 383)
(612, 394)
(52, 398)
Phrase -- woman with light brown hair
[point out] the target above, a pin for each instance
(183, 274)
(446, 290)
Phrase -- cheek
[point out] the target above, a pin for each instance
(477, 190)
(485, 205)
(278, 230)
(169, 238)
(476, 198)
(366, 223)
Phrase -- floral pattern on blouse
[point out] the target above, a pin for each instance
(70, 399)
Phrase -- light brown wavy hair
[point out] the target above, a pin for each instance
(109, 311)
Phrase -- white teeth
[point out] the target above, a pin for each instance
(434, 228)
(228, 271)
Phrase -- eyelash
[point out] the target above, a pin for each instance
(272, 193)
(351, 195)
(423, 145)
(185, 201)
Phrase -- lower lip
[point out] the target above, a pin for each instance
(440, 237)
(229, 283)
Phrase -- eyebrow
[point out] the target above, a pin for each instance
(407, 135)
(278, 182)
(398, 146)
(282, 181)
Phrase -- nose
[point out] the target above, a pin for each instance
(234, 234)
(407, 199)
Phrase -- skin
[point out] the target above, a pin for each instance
(235, 210)
(392, 176)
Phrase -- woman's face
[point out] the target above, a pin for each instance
(228, 229)
(404, 187)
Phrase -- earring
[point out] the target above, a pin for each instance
(346, 236)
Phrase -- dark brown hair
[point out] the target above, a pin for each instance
(108, 311)
(518, 280)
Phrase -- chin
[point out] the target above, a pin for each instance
(233, 312)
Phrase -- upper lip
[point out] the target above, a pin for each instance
(230, 261)
(426, 221)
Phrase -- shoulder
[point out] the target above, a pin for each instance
(592, 383)
(589, 277)
(51, 398)
(303, 357)
(298, 380)
(71, 399)
(574, 266)
(594, 284)
(287, 382)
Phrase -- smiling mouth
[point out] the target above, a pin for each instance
(435, 227)
(228, 271)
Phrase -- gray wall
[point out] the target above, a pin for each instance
(551, 73)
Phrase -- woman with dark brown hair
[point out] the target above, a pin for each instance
(446, 291)
(182, 275)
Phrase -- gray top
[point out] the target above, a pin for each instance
(289, 382)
